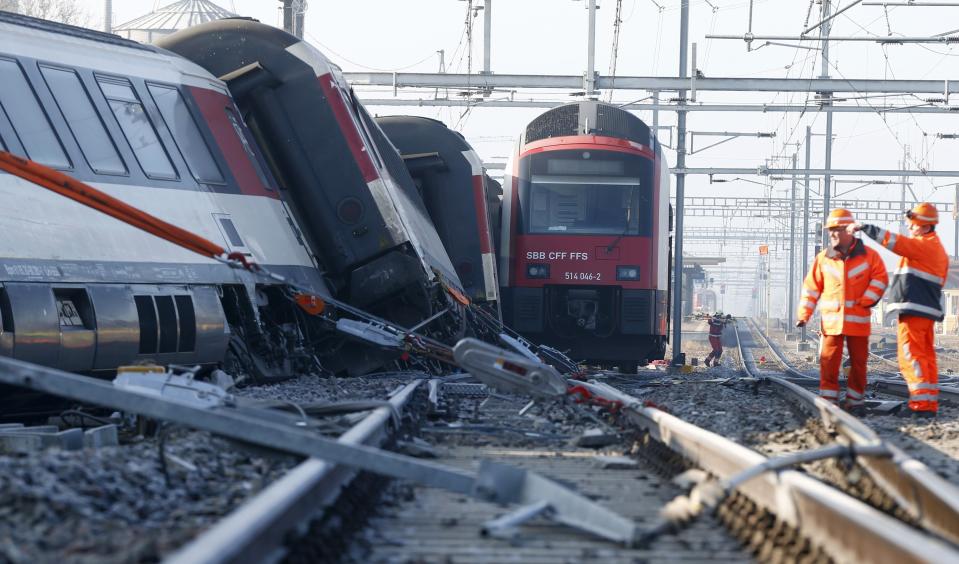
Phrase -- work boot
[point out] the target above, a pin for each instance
(706, 362)
(855, 410)
(906, 412)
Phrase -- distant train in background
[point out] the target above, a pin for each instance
(704, 300)
(585, 246)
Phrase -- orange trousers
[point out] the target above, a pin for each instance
(917, 361)
(830, 359)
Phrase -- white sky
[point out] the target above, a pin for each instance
(549, 37)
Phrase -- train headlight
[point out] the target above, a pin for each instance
(624, 272)
(537, 271)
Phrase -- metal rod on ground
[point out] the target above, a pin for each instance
(791, 296)
(955, 217)
(805, 218)
(680, 192)
(493, 482)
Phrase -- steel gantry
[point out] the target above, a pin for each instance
(832, 96)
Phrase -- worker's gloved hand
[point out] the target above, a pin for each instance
(800, 323)
(853, 227)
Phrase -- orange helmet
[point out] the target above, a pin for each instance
(839, 217)
(923, 214)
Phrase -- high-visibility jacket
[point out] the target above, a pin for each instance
(716, 326)
(844, 288)
(917, 283)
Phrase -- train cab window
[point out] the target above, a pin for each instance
(583, 205)
(248, 147)
(84, 121)
(30, 124)
(574, 192)
(137, 128)
(180, 122)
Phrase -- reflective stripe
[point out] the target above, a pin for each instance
(858, 319)
(879, 284)
(924, 397)
(850, 393)
(920, 274)
(924, 217)
(857, 270)
(871, 295)
(922, 386)
(831, 270)
(891, 243)
(906, 352)
(829, 393)
(915, 307)
(829, 303)
(810, 293)
(809, 304)
(854, 402)
(850, 303)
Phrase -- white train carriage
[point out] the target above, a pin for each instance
(85, 292)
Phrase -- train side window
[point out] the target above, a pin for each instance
(30, 123)
(137, 128)
(247, 147)
(84, 121)
(180, 122)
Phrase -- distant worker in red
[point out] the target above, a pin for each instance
(916, 294)
(845, 281)
(716, 324)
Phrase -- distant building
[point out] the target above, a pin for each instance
(171, 18)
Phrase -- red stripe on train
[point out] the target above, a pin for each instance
(479, 200)
(213, 105)
(586, 142)
(348, 127)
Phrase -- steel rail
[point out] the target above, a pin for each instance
(846, 528)
(258, 529)
(929, 499)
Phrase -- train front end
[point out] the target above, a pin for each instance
(585, 236)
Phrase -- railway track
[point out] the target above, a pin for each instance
(325, 511)
(783, 516)
(909, 487)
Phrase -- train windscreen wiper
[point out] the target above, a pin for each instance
(629, 217)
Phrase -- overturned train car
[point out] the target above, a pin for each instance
(451, 179)
(347, 185)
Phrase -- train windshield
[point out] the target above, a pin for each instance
(600, 196)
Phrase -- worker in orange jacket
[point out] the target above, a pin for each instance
(916, 294)
(845, 281)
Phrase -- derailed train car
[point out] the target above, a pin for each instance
(456, 190)
(82, 291)
(348, 187)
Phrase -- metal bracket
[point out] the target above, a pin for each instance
(370, 332)
(507, 371)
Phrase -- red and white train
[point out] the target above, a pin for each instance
(314, 191)
(585, 246)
